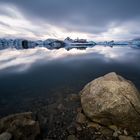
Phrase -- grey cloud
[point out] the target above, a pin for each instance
(89, 16)
(4, 24)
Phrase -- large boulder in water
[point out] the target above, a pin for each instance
(22, 126)
(111, 99)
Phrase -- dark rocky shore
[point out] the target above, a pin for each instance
(108, 108)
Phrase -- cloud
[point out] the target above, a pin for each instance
(95, 18)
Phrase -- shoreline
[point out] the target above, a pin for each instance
(62, 117)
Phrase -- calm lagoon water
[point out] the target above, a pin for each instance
(27, 75)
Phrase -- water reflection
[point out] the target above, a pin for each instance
(33, 73)
(21, 60)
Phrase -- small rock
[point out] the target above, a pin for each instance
(72, 137)
(115, 134)
(98, 133)
(106, 132)
(71, 129)
(125, 132)
(78, 127)
(74, 97)
(113, 127)
(81, 118)
(60, 107)
(99, 139)
(21, 126)
(121, 137)
(138, 134)
(94, 125)
(5, 136)
(79, 109)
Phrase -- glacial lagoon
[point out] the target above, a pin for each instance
(27, 76)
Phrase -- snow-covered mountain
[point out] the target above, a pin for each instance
(25, 44)
(53, 44)
(16, 43)
(112, 43)
(56, 44)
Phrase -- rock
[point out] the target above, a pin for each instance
(125, 132)
(115, 134)
(78, 127)
(71, 129)
(138, 134)
(79, 109)
(5, 136)
(72, 137)
(60, 107)
(21, 126)
(113, 127)
(121, 137)
(111, 99)
(81, 118)
(106, 132)
(98, 133)
(99, 139)
(74, 97)
(94, 125)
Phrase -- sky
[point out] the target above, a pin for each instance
(89, 19)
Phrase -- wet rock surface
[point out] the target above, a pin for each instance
(19, 126)
(111, 99)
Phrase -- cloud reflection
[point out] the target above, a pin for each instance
(22, 60)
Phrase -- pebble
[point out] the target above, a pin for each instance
(125, 132)
(121, 137)
(72, 137)
(94, 125)
(113, 127)
(115, 134)
(80, 118)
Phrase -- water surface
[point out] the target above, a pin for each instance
(36, 73)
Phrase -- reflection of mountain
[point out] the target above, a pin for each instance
(136, 42)
(113, 43)
(78, 48)
(135, 46)
(67, 43)
(136, 39)
(53, 44)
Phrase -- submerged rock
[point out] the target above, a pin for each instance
(5, 136)
(121, 137)
(71, 137)
(111, 99)
(21, 126)
(80, 118)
